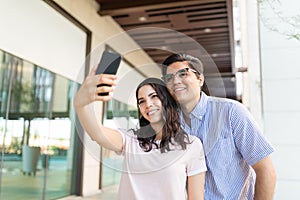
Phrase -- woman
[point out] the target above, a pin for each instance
(160, 160)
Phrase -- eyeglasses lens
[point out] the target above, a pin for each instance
(180, 73)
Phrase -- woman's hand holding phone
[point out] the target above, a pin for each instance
(89, 90)
(108, 64)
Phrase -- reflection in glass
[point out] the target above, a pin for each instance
(35, 123)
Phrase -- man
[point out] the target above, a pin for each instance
(237, 153)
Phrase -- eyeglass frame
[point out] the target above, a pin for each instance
(177, 73)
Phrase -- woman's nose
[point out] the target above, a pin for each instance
(149, 103)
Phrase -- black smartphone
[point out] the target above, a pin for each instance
(108, 64)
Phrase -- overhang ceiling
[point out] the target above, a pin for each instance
(208, 22)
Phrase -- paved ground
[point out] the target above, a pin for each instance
(107, 194)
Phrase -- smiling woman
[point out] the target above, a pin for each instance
(159, 148)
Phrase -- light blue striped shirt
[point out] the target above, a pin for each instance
(232, 142)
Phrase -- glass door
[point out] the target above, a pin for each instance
(36, 131)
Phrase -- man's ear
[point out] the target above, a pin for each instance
(201, 80)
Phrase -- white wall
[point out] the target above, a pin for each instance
(273, 82)
(251, 59)
(281, 97)
(36, 32)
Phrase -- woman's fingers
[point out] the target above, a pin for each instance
(103, 90)
(92, 81)
(103, 78)
(107, 79)
(103, 86)
(94, 85)
(103, 98)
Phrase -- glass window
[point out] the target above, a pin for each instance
(36, 131)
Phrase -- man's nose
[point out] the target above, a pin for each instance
(176, 79)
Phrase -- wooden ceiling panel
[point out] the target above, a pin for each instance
(208, 22)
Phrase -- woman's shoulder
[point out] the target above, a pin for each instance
(129, 136)
(195, 141)
(127, 133)
(192, 137)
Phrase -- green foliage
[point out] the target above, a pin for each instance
(131, 113)
(280, 22)
(25, 93)
(15, 146)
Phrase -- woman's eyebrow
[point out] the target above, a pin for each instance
(150, 94)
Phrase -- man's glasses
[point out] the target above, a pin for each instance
(182, 73)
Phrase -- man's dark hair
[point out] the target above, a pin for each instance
(193, 62)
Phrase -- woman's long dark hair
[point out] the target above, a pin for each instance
(171, 131)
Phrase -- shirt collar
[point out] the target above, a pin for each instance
(200, 108)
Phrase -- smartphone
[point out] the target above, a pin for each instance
(108, 64)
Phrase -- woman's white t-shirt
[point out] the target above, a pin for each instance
(155, 175)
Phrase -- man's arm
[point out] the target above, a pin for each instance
(265, 179)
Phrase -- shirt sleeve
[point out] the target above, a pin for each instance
(124, 134)
(248, 137)
(196, 163)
